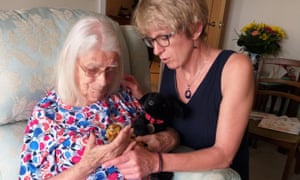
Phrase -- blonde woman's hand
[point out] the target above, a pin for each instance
(136, 163)
(163, 141)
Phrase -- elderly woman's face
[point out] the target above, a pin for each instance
(94, 73)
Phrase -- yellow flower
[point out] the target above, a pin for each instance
(264, 37)
(261, 38)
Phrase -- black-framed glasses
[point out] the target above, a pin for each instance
(161, 40)
(93, 72)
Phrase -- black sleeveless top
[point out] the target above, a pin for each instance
(197, 127)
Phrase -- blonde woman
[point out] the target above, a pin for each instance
(216, 85)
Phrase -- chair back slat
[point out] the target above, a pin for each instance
(278, 95)
(280, 81)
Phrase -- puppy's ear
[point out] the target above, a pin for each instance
(144, 98)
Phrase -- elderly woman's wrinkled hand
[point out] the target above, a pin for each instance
(94, 155)
(131, 83)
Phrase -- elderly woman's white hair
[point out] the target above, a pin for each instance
(87, 33)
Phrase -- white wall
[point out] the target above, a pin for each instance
(92, 5)
(274, 12)
(240, 12)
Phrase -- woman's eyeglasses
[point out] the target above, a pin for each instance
(93, 72)
(161, 40)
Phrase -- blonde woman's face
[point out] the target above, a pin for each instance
(178, 51)
(94, 73)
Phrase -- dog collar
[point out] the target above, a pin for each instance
(152, 120)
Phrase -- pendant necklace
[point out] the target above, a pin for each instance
(188, 92)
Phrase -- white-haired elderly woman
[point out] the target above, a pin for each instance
(65, 135)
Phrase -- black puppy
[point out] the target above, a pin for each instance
(159, 112)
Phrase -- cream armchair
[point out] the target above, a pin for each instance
(29, 44)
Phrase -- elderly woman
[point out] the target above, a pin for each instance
(65, 135)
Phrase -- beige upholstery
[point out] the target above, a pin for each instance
(30, 41)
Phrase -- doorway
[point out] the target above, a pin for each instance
(216, 22)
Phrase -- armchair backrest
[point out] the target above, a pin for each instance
(30, 40)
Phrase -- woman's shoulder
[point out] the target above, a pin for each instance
(227, 53)
(49, 100)
(123, 102)
(239, 61)
(46, 107)
(123, 95)
(232, 59)
(238, 69)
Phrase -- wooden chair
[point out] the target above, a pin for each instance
(280, 96)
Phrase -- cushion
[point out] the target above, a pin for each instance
(11, 140)
(137, 53)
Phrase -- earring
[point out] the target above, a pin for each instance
(195, 41)
(195, 44)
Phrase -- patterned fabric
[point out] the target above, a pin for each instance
(56, 134)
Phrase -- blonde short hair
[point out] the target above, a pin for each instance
(86, 34)
(177, 15)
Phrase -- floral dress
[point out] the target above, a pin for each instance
(56, 134)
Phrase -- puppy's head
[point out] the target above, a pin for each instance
(160, 106)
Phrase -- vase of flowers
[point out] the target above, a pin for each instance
(254, 57)
(260, 39)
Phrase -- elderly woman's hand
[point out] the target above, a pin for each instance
(94, 155)
(130, 83)
(163, 141)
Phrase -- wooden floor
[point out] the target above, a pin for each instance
(267, 163)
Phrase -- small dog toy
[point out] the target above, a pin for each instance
(112, 131)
